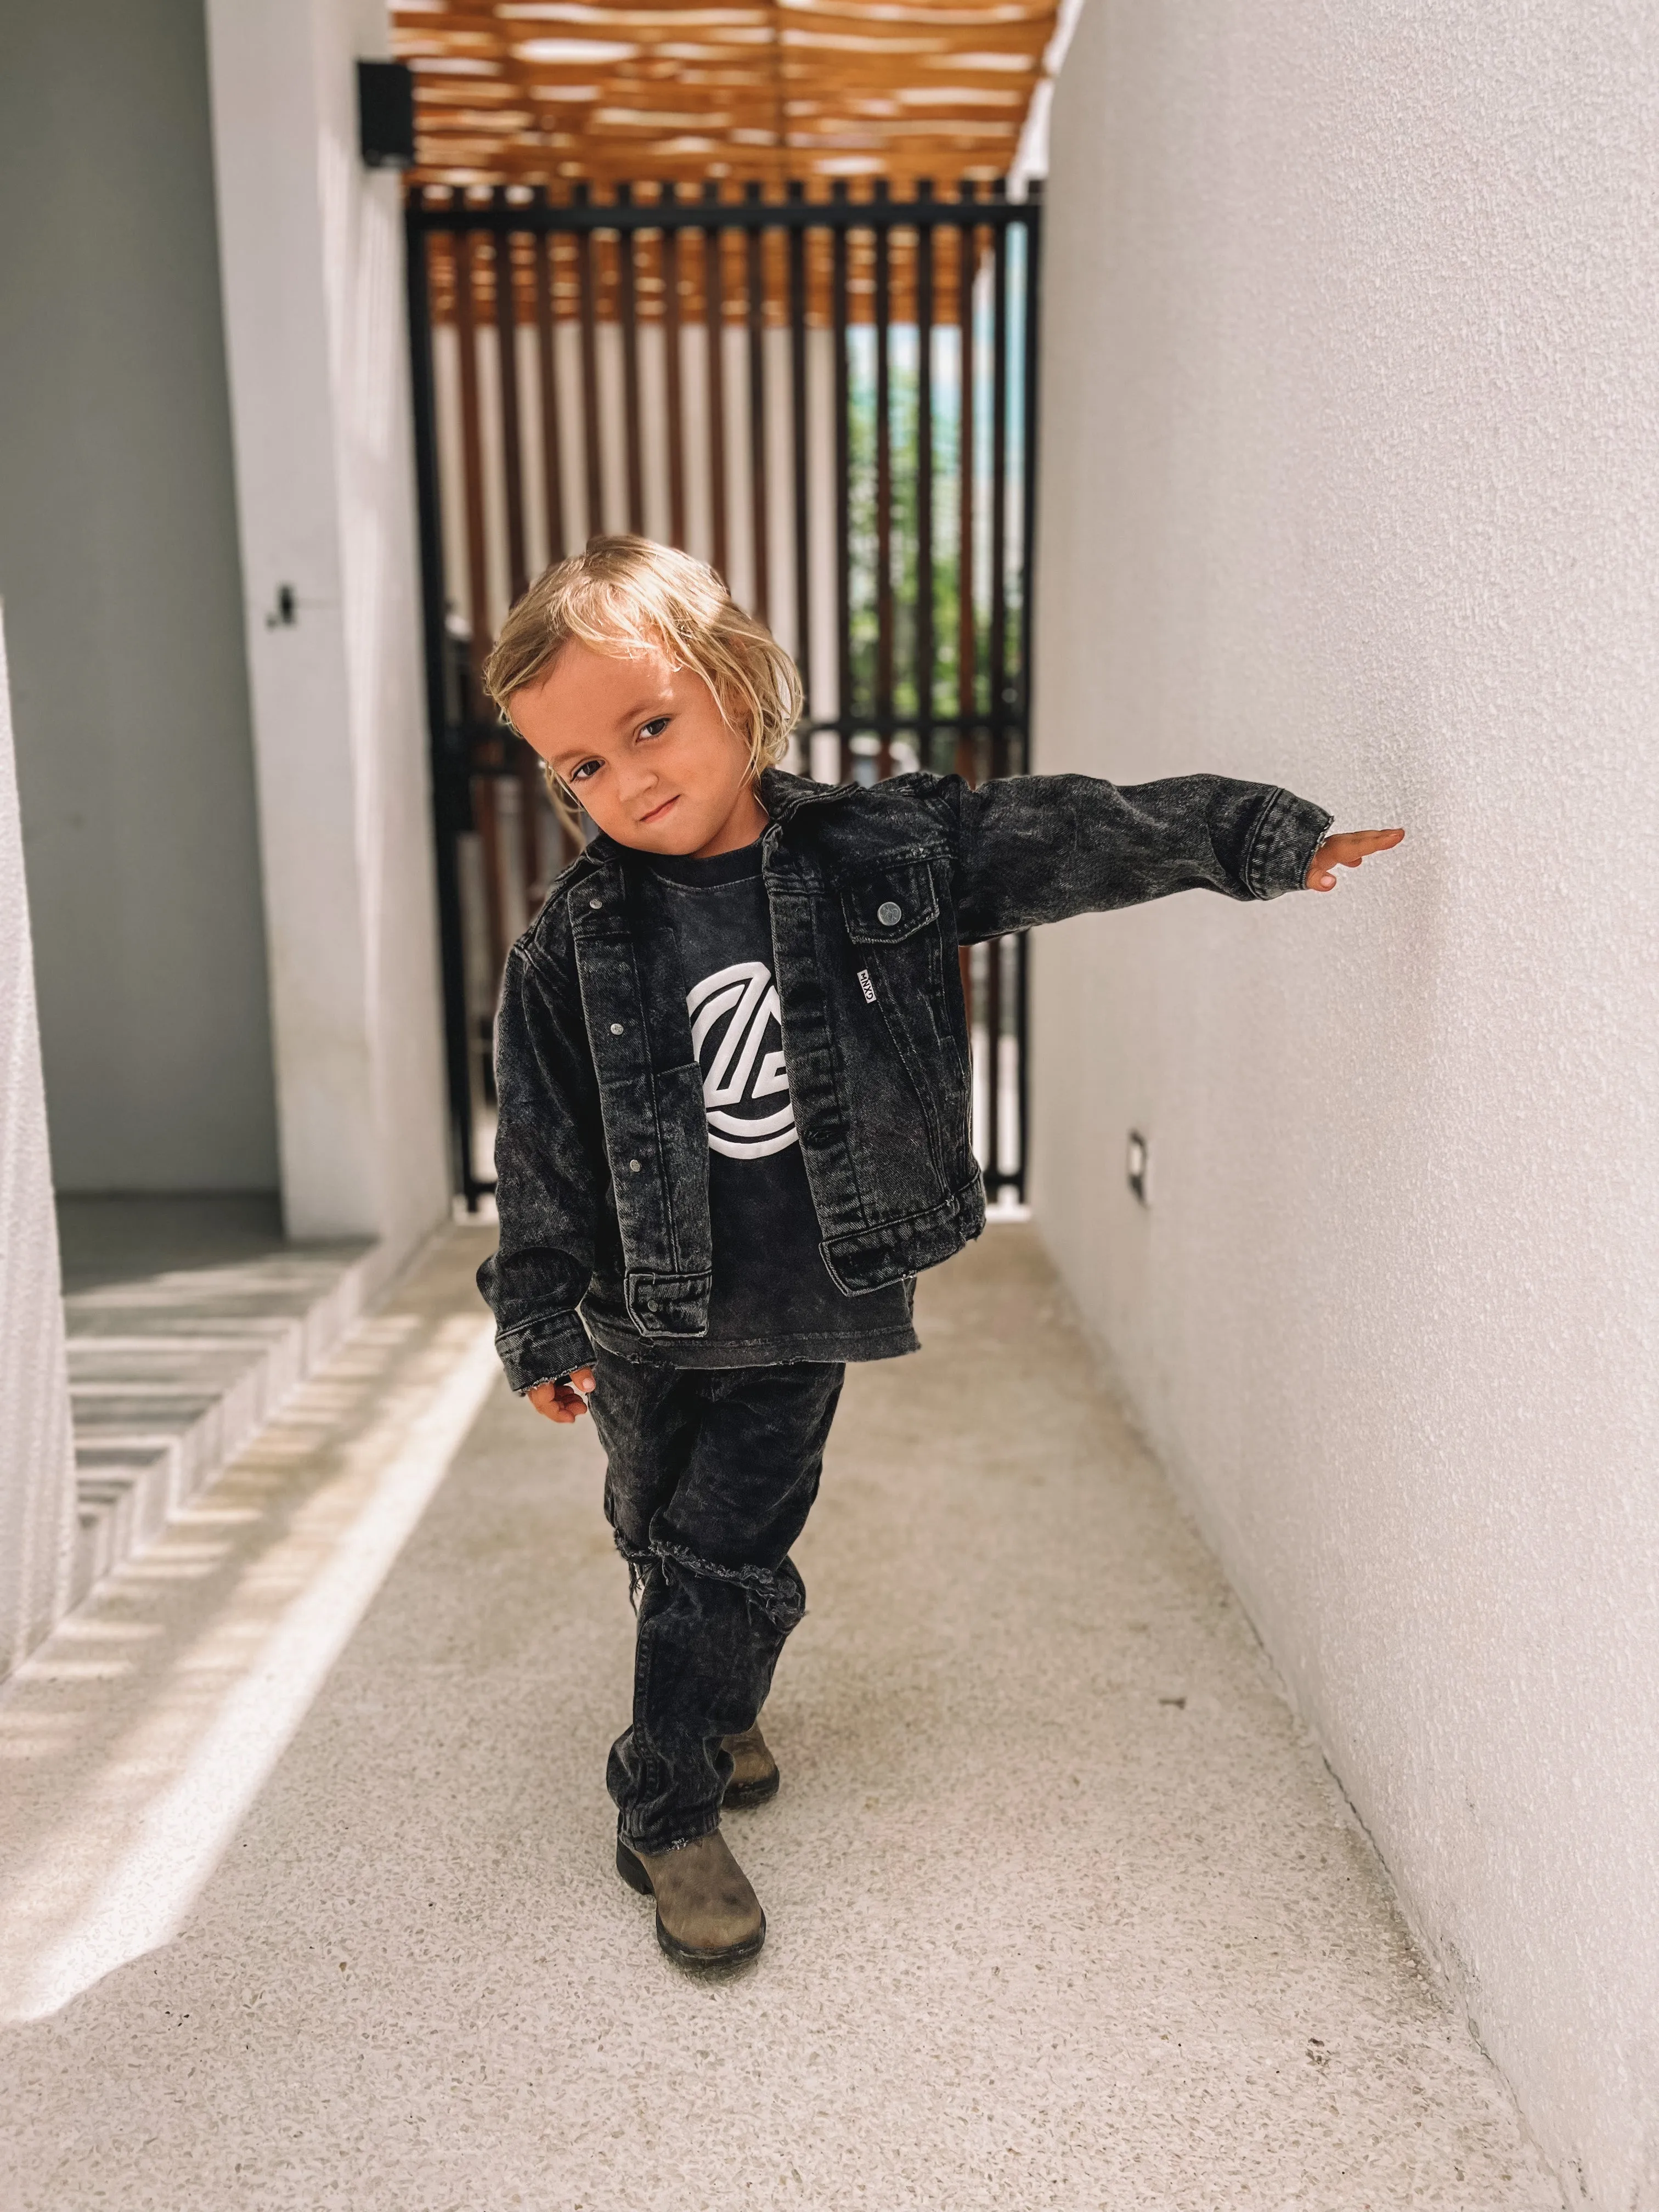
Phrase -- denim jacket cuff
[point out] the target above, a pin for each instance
(1288, 835)
(539, 1350)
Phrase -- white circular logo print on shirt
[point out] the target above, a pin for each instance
(746, 1088)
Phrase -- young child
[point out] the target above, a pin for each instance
(732, 1067)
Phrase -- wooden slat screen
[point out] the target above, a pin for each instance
(561, 91)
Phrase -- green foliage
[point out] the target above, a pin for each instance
(904, 434)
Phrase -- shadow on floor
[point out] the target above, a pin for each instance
(125, 1239)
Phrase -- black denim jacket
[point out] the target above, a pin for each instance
(872, 891)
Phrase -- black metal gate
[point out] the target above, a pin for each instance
(834, 402)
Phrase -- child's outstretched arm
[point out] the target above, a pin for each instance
(1031, 849)
(1346, 850)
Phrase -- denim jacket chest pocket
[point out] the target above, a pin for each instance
(891, 904)
(906, 1036)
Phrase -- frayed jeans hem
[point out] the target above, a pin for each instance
(643, 1848)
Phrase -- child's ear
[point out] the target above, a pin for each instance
(734, 708)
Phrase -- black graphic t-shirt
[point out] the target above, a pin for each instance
(773, 1299)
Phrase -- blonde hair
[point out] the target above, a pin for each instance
(625, 595)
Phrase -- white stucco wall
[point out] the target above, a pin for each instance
(312, 249)
(37, 1450)
(1351, 481)
(119, 569)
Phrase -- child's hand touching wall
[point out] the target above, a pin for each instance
(1348, 850)
(563, 1401)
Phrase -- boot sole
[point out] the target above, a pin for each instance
(628, 1867)
(740, 1796)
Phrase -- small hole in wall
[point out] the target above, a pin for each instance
(1139, 1163)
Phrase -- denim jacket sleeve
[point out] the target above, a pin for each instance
(549, 1179)
(1036, 849)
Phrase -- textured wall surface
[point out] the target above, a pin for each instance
(119, 569)
(1352, 484)
(37, 1452)
(317, 347)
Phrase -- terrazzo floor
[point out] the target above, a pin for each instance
(1064, 1911)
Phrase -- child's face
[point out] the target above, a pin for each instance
(645, 749)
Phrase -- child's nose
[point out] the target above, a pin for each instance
(636, 782)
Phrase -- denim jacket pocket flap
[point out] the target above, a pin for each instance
(893, 902)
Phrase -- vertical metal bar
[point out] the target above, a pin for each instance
(487, 820)
(798, 405)
(997, 657)
(547, 360)
(967, 671)
(924, 476)
(507, 370)
(966, 685)
(590, 373)
(1030, 334)
(448, 764)
(481, 789)
(884, 309)
(1022, 1065)
(478, 560)
(993, 1175)
(628, 314)
(760, 533)
(670, 252)
(520, 759)
(1028, 483)
(713, 304)
(999, 653)
(843, 488)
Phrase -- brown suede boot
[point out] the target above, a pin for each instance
(754, 1769)
(707, 1913)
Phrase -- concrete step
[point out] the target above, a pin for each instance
(174, 1368)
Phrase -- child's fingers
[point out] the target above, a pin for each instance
(1346, 850)
(558, 1402)
(1366, 841)
(1353, 846)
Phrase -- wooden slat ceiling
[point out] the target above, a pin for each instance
(557, 91)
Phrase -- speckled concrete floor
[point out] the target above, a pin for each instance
(1064, 1910)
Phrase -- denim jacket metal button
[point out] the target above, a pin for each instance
(872, 892)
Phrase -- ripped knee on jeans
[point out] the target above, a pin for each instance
(779, 1595)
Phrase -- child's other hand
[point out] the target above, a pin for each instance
(563, 1401)
(1348, 850)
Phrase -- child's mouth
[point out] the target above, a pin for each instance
(657, 812)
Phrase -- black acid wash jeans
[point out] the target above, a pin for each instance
(712, 1474)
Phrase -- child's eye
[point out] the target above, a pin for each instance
(655, 727)
(588, 768)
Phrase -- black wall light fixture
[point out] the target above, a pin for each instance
(386, 114)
